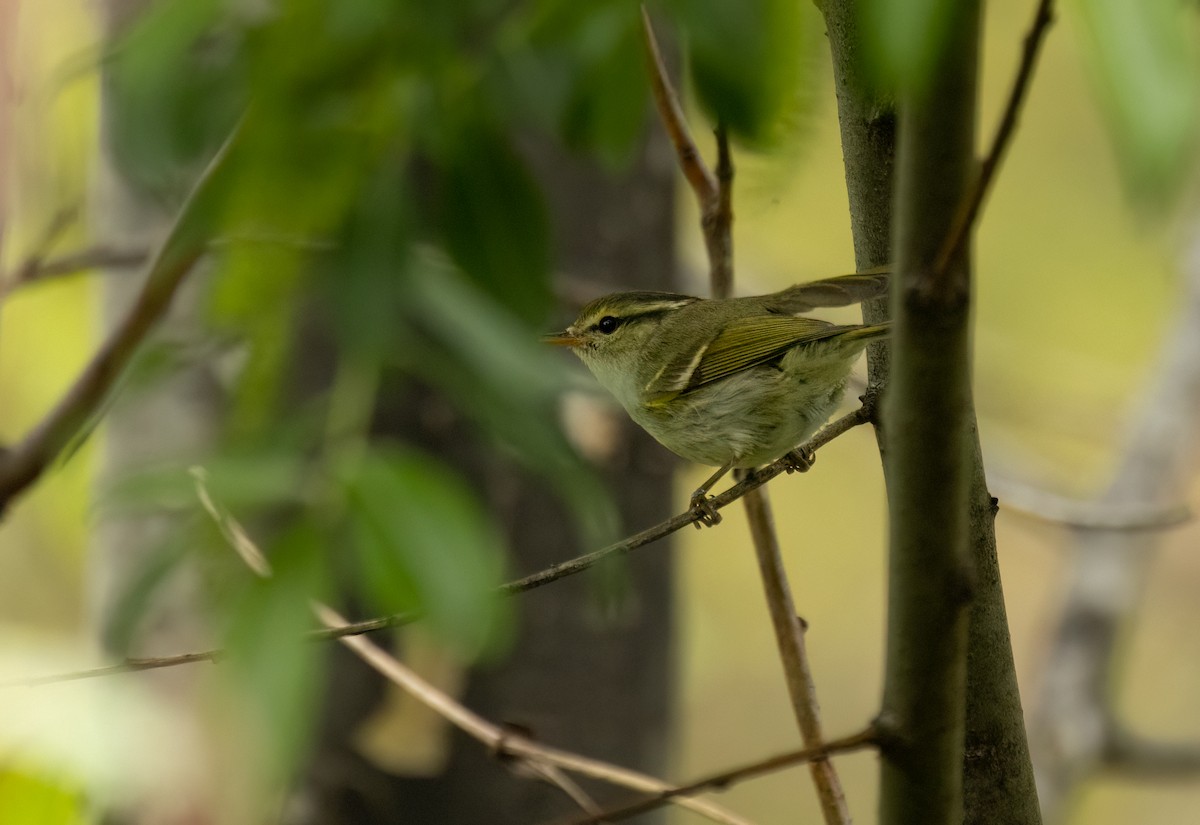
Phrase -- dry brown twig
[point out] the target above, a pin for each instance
(37, 268)
(968, 213)
(865, 738)
(504, 744)
(714, 193)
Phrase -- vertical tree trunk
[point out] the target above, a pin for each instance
(997, 779)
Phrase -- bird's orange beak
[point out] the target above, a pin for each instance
(561, 339)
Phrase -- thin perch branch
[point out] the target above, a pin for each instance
(862, 415)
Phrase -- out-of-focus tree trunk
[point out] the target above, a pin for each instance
(174, 419)
(577, 679)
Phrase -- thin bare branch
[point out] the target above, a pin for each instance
(529, 757)
(713, 192)
(793, 653)
(753, 481)
(968, 213)
(37, 269)
(1122, 516)
(716, 219)
(57, 225)
(716, 223)
(1146, 758)
(553, 775)
(702, 181)
(720, 781)
(138, 664)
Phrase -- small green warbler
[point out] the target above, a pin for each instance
(732, 382)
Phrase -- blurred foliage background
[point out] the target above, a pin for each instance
(1076, 256)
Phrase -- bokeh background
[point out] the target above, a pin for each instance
(1076, 287)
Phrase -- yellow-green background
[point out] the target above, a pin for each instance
(1075, 290)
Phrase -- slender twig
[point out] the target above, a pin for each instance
(716, 222)
(968, 212)
(713, 192)
(58, 224)
(553, 775)
(723, 780)
(23, 464)
(37, 269)
(702, 181)
(793, 653)
(752, 481)
(1122, 516)
(140, 663)
(862, 415)
(1144, 758)
(505, 744)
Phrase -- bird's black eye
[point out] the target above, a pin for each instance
(608, 324)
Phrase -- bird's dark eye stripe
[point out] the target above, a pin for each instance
(608, 324)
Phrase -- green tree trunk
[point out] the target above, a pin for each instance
(997, 775)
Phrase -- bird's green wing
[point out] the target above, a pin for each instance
(743, 343)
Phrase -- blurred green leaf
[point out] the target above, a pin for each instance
(1146, 60)
(150, 573)
(255, 477)
(606, 110)
(494, 222)
(274, 668)
(30, 798)
(579, 69)
(177, 91)
(902, 38)
(360, 280)
(424, 543)
(745, 61)
(498, 373)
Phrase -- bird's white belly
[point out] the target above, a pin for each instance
(750, 419)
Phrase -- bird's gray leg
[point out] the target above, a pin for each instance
(700, 503)
(800, 460)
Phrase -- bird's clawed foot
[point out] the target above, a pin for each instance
(702, 507)
(800, 460)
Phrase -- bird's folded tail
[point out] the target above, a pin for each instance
(868, 332)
